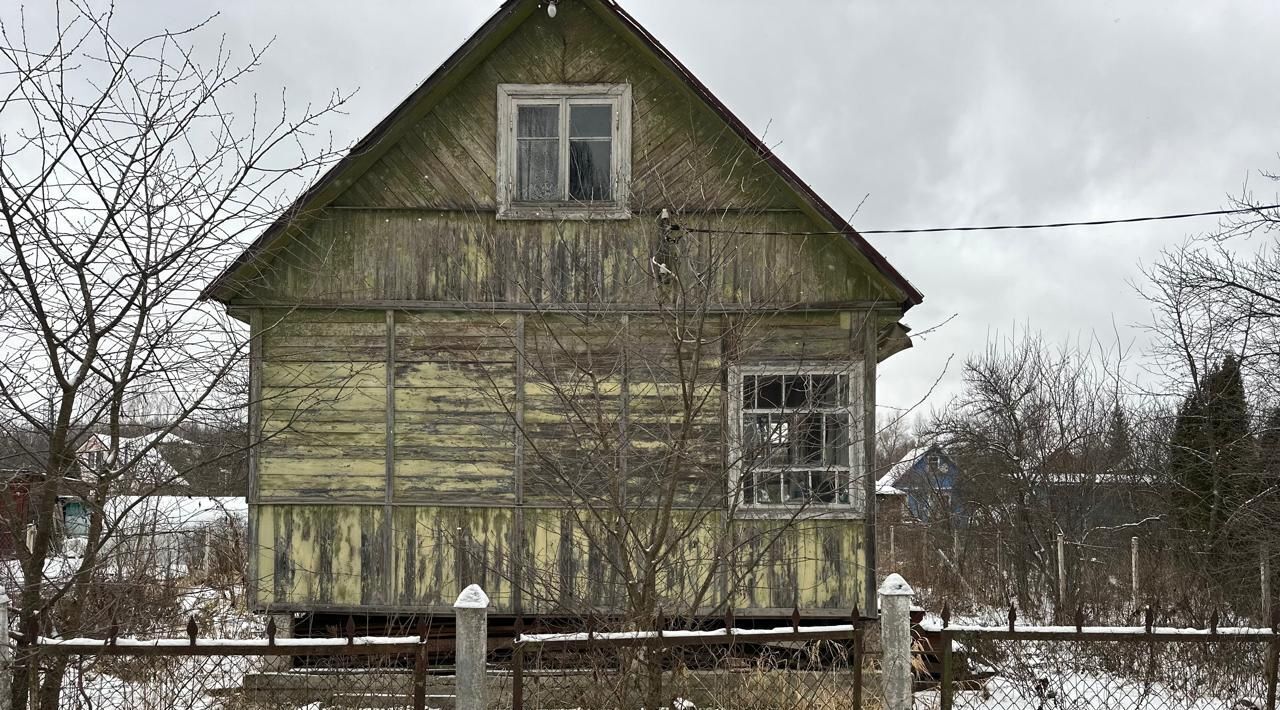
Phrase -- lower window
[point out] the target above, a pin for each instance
(795, 439)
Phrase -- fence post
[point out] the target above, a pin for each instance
(1273, 662)
(1062, 576)
(283, 630)
(1133, 569)
(6, 655)
(1264, 568)
(895, 637)
(947, 692)
(472, 636)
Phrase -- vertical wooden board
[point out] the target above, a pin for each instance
(373, 568)
(543, 571)
(348, 569)
(264, 552)
(281, 546)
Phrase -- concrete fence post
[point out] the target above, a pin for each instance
(471, 648)
(895, 637)
(6, 655)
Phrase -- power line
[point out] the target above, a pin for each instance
(995, 227)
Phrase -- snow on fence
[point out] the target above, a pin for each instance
(1095, 667)
(811, 666)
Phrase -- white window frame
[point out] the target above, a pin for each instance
(856, 508)
(512, 95)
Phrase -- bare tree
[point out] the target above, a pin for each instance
(124, 178)
(1216, 306)
(1030, 432)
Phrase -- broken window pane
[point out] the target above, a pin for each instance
(837, 441)
(826, 391)
(810, 439)
(824, 486)
(769, 490)
(749, 392)
(769, 393)
(797, 486)
(797, 391)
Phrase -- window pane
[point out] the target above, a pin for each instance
(770, 488)
(590, 169)
(810, 439)
(749, 392)
(824, 486)
(537, 170)
(837, 453)
(773, 437)
(769, 393)
(591, 121)
(538, 121)
(796, 391)
(797, 486)
(826, 392)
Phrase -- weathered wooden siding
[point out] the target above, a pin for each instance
(458, 384)
(323, 406)
(367, 256)
(454, 395)
(317, 556)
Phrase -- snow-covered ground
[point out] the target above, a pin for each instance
(1107, 675)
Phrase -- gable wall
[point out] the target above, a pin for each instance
(420, 223)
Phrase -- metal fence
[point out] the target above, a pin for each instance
(1088, 668)
(819, 667)
(203, 674)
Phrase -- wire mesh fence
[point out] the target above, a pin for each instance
(208, 675)
(827, 668)
(1101, 668)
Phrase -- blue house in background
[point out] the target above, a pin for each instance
(925, 480)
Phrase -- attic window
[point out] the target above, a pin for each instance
(795, 444)
(564, 151)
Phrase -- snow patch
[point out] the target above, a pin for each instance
(473, 597)
(894, 586)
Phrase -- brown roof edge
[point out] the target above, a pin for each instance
(914, 297)
(507, 8)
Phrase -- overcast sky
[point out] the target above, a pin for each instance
(946, 113)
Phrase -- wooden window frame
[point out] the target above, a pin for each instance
(856, 508)
(512, 95)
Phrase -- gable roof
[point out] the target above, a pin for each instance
(509, 16)
(887, 484)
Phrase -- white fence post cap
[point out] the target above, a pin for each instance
(473, 597)
(895, 586)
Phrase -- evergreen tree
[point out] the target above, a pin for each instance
(1119, 444)
(1211, 457)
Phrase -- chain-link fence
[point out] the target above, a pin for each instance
(1097, 668)
(239, 675)
(826, 668)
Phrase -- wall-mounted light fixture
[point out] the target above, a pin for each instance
(551, 8)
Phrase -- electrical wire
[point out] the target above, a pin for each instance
(990, 228)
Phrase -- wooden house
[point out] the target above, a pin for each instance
(561, 325)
